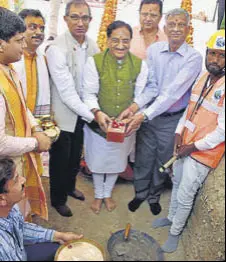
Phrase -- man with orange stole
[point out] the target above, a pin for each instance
(20, 136)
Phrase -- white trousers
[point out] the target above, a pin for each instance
(189, 175)
(104, 185)
(54, 14)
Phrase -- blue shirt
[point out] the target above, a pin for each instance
(173, 74)
(14, 232)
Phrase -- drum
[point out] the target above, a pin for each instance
(81, 250)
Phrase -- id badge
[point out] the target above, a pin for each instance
(191, 127)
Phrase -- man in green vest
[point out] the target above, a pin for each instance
(111, 81)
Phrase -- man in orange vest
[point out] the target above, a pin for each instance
(199, 142)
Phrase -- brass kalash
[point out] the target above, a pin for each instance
(49, 127)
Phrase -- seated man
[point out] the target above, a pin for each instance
(14, 232)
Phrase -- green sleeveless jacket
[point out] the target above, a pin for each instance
(117, 82)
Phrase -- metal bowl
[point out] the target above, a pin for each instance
(152, 251)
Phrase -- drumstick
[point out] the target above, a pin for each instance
(168, 164)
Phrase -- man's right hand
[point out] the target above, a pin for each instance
(177, 144)
(44, 142)
(129, 112)
(103, 120)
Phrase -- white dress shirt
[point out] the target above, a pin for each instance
(68, 90)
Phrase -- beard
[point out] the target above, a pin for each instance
(215, 69)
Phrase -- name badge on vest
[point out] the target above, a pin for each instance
(191, 127)
(219, 93)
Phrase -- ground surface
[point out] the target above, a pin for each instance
(205, 233)
(99, 228)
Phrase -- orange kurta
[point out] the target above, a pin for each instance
(32, 82)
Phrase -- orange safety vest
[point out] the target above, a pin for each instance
(205, 121)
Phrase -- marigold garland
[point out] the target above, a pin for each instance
(4, 3)
(14, 5)
(187, 5)
(109, 17)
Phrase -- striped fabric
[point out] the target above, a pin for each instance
(14, 232)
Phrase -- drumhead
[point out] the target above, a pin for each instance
(81, 250)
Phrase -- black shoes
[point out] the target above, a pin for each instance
(135, 204)
(77, 195)
(64, 211)
(156, 208)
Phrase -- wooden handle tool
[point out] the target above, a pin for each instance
(168, 164)
(127, 232)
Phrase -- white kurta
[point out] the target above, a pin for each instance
(102, 156)
(43, 96)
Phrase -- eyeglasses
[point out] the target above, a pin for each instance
(174, 25)
(77, 18)
(116, 41)
(152, 15)
(35, 27)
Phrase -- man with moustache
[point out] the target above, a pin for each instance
(66, 58)
(19, 138)
(111, 81)
(174, 66)
(199, 141)
(20, 241)
(32, 69)
(148, 32)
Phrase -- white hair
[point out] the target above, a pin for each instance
(179, 11)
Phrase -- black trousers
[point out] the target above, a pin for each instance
(41, 252)
(65, 157)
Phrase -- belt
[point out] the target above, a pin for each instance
(173, 113)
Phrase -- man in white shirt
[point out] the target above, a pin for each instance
(66, 58)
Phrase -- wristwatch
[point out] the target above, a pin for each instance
(146, 119)
(36, 146)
